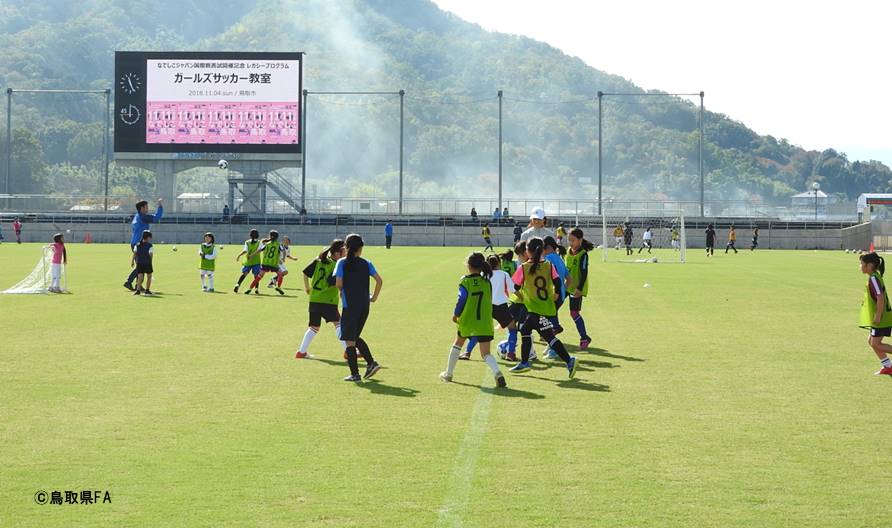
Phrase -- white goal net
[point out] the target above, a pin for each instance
(643, 236)
(41, 277)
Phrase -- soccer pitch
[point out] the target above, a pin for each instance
(734, 391)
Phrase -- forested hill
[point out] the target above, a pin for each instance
(451, 71)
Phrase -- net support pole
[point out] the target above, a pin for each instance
(105, 142)
(500, 149)
(8, 138)
(600, 165)
(402, 100)
(701, 155)
(303, 149)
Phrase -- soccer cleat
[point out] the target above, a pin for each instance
(885, 371)
(520, 367)
(584, 343)
(128, 286)
(247, 292)
(445, 378)
(256, 291)
(281, 292)
(136, 292)
(148, 292)
(511, 356)
(551, 355)
(235, 290)
(464, 355)
(371, 370)
(301, 355)
(571, 367)
(351, 377)
(210, 290)
(204, 288)
(500, 381)
(271, 285)
(533, 356)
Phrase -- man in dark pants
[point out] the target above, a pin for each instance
(388, 234)
(710, 240)
(140, 223)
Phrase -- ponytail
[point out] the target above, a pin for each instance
(354, 243)
(506, 256)
(535, 246)
(335, 247)
(476, 260)
(878, 262)
(585, 244)
(494, 261)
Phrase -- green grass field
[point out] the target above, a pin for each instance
(735, 391)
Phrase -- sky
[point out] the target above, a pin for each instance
(816, 73)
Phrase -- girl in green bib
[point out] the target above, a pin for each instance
(208, 253)
(876, 312)
(577, 263)
(473, 314)
(268, 251)
(319, 283)
(539, 287)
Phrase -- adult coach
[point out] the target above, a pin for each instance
(138, 225)
(536, 227)
(388, 234)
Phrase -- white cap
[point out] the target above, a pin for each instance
(538, 213)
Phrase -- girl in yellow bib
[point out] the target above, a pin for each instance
(876, 312)
(539, 286)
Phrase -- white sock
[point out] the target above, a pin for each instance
(453, 359)
(338, 334)
(202, 280)
(211, 280)
(308, 338)
(492, 363)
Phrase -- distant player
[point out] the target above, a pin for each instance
(60, 257)
(876, 314)
(517, 232)
(487, 237)
(502, 287)
(252, 263)
(539, 287)
(17, 228)
(141, 261)
(269, 251)
(627, 238)
(319, 283)
(352, 274)
(140, 223)
(560, 234)
(617, 237)
(755, 242)
(647, 240)
(473, 314)
(207, 251)
(710, 240)
(675, 239)
(284, 254)
(577, 262)
(732, 239)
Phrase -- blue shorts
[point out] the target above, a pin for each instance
(255, 269)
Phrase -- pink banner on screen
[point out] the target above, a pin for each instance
(222, 123)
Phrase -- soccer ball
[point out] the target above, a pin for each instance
(174, 248)
(847, 251)
(223, 164)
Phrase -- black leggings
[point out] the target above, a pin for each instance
(543, 325)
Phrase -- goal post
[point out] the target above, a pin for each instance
(41, 277)
(664, 230)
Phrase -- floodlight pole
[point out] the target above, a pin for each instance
(8, 138)
(303, 150)
(600, 165)
(105, 142)
(700, 140)
(402, 98)
(500, 150)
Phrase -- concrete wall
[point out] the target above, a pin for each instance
(856, 237)
(316, 235)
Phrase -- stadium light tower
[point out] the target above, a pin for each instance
(816, 187)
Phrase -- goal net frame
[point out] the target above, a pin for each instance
(640, 219)
(41, 277)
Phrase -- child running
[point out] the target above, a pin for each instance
(732, 239)
(60, 258)
(269, 249)
(323, 295)
(208, 253)
(539, 286)
(252, 262)
(617, 237)
(755, 242)
(284, 254)
(352, 274)
(577, 262)
(876, 312)
(473, 314)
(142, 261)
(486, 237)
(518, 312)
(647, 240)
(552, 254)
(502, 287)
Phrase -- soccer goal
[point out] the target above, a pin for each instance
(41, 277)
(667, 236)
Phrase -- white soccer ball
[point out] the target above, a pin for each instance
(847, 251)
(647, 285)
(174, 248)
(223, 164)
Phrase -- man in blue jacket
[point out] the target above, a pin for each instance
(140, 223)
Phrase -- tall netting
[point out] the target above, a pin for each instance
(41, 277)
(644, 236)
